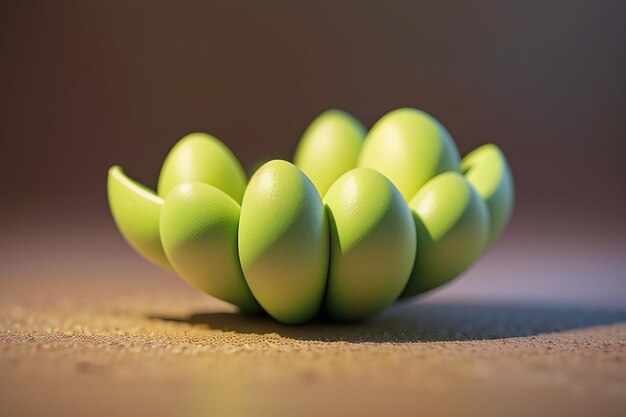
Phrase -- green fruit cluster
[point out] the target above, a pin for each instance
(358, 221)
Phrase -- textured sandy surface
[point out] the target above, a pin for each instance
(122, 338)
(153, 355)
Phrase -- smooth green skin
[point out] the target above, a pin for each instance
(372, 247)
(283, 242)
(409, 147)
(291, 246)
(136, 210)
(452, 223)
(329, 147)
(487, 170)
(203, 158)
(199, 235)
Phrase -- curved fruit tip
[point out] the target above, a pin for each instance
(329, 147)
(452, 224)
(254, 167)
(487, 170)
(409, 147)
(136, 211)
(372, 245)
(199, 233)
(283, 242)
(203, 158)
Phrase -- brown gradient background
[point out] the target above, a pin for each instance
(87, 327)
(85, 85)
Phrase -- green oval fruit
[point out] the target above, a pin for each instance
(409, 147)
(372, 244)
(199, 234)
(203, 158)
(329, 147)
(487, 170)
(283, 242)
(452, 223)
(136, 210)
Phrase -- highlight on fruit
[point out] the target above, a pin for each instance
(360, 219)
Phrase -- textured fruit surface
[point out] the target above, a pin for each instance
(409, 147)
(384, 215)
(199, 234)
(487, 170)
(452, 223)
(136, 211)
(203, 158)
(329, 147)
(283, 242)
(372, 244)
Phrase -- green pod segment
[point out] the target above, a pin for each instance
(283, 242)
(452, 223)
(487, 170)
(409, 147)
(294, 254)
(329, 147)
(136, 211)
(199, 234)
(199, 157)
(372, 247)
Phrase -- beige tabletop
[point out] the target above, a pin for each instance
(88, 328)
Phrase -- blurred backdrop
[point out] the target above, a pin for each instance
(88, 84)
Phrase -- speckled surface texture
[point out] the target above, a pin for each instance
(114, 336)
